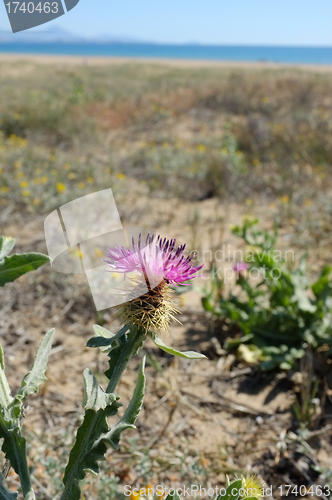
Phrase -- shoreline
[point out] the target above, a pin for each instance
(177, 63)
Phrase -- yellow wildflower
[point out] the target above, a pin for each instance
(120, 176)
(60, 187)
(98, 253)
(24, 184)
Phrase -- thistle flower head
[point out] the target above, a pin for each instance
(157, 257)
(156, 264)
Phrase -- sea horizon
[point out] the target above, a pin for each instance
(253, 53)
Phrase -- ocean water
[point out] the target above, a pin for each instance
(303, 55)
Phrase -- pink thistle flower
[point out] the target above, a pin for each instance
(150, 305)
(156, 258)
(240, 266)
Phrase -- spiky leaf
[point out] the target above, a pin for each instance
(94, 397)
(90, 447)
(15, 266)
(83, 457)
(174, 352)
(36, 376)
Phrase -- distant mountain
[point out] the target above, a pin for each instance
(39, 35)
(59, 35)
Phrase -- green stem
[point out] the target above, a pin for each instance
(127, 351)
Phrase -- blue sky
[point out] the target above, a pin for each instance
(252, 22)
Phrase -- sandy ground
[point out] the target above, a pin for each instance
(177, 63)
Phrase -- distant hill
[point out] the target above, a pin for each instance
(59, 35)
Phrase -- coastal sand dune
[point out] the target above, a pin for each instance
(178, 63)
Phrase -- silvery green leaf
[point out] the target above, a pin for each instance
(6, 246)
(174, 352)
(94, 397)
(36, 375)
(5, 394)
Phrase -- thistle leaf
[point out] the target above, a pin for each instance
(15, 266)
(4, 493)
(14, 448)
(94, 397)
(104, 339)
(84, 456)
(36, 375)
(6, 246)
(91, 445)
(173, 497)
(5, 394)
(174, 352)
(232, 491)
(130, 415)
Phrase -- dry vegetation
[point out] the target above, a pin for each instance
(188, 152)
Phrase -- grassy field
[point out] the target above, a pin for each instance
(189, 152)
